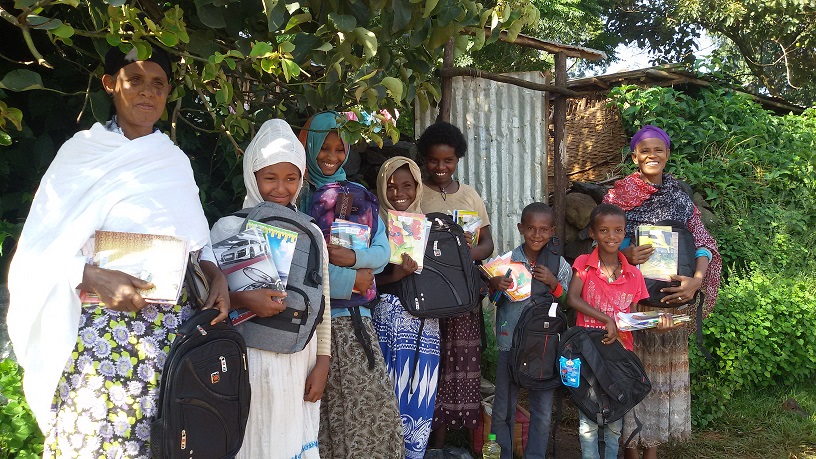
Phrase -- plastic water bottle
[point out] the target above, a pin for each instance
(491, 449)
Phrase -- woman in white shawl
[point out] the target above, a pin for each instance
(92, 372)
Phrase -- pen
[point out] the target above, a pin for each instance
(499, 292)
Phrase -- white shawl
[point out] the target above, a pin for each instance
(98, 180)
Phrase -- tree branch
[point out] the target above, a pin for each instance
(224, 129)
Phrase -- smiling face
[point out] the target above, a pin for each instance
(650, 156)
(401, 189)
(608, 231)
(139, 91)
(537, 229)
(278, 183)
(441, 162)
(332, 154)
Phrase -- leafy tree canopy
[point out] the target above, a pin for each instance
(769, 45)
(574, 22)
(239, 63)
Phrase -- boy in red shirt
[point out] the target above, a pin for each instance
(604, 284)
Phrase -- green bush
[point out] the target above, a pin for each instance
(762, 335)
(19, 435)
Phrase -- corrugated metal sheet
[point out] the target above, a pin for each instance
(506, 130)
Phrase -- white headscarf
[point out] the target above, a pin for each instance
(274, 143)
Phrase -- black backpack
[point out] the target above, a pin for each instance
(612, 378)
(204, 392)
(534, 351)
(448, 285)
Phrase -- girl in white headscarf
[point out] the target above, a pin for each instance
(284, 413)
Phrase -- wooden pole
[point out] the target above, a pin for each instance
(447, 84)
(447, 73)
(560, 149)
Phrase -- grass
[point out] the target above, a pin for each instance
(756, 426)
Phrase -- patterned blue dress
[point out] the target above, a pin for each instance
(415, 375)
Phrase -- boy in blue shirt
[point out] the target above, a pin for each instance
(537, 228)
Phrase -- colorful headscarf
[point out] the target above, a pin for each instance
(274, 143)
(312, 136)
(386, 170)
(649, 132)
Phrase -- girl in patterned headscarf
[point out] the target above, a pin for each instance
(648, 196)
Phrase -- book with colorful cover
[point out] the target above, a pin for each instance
(521, 277)
(648, 319)
(663, 262)
(470, 222)
(407, 233)
(247, 262)
(281, 246)
(155, 258)
(350, 235)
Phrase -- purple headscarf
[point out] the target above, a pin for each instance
(649, 132)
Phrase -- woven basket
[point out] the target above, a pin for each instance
(595, 137)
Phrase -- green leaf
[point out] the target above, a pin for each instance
(286, 47)
(368, 40)
(23, 4)
(63, 31)
(325, 47)
(343, 22)
(116, 3)
(261, 49)
(42, 23)
(276, 14)
(394, 86)
(211, 16)
(5, 139)
(290, 69)
(21, 80)
(169, 39)
(298, 19)
(402, 15)
(430, 5)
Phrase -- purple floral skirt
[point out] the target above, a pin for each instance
(110, 386)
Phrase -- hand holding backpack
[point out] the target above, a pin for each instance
(448, 285)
